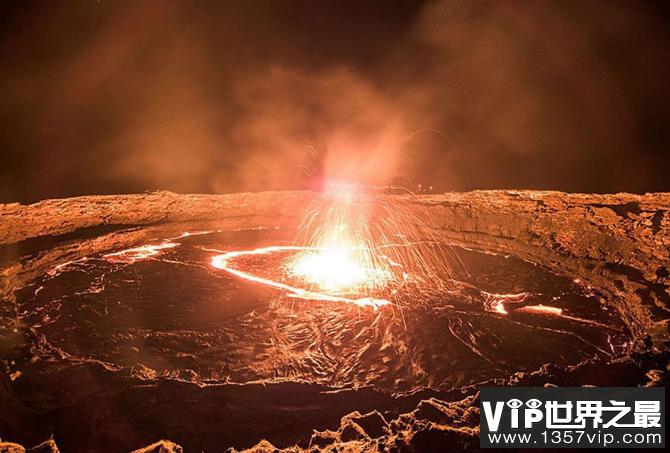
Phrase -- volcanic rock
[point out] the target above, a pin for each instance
(49, 446)
(373, 423)
(162, 446)
(10, 447)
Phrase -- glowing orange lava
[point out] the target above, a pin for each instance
(337, 270)
(495, 303)
(541, 310)
(316, 264)
(138, 253)
(352, 247)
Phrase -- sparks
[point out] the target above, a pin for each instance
(350, 247)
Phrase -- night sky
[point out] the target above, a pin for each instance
(101, 97)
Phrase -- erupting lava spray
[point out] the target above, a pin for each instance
(354, 246)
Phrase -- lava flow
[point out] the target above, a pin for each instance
(332, 270)
(351, 247)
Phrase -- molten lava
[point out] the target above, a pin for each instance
(138, 253)
(350, 247)
(337, 270)
(335, 278)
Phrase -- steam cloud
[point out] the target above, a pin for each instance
(269, 95)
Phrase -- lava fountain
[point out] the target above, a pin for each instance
(351, 246)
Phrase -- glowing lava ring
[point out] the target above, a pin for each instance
(226, 262)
